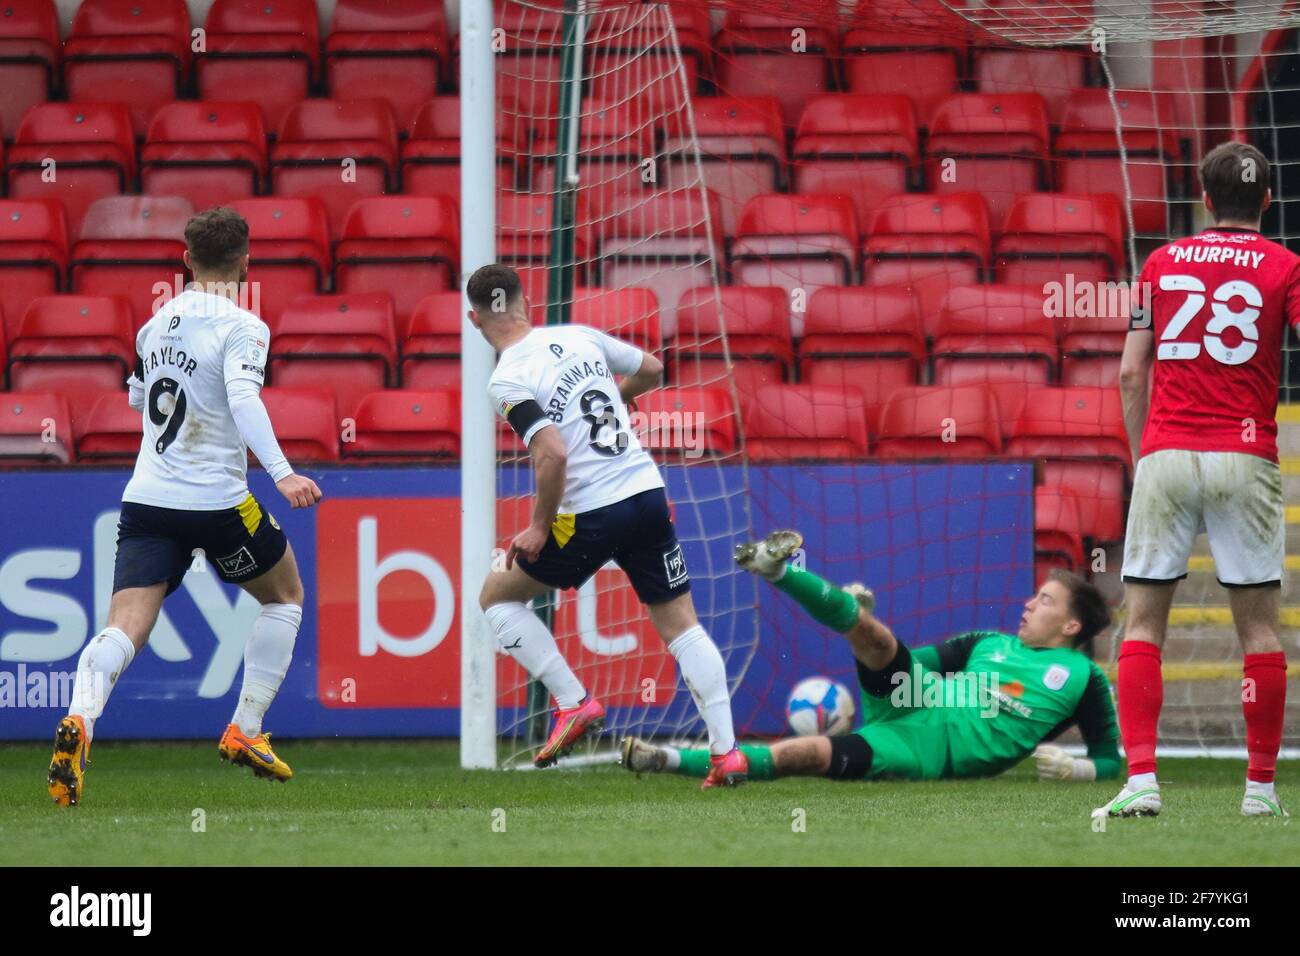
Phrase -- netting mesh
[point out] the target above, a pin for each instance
(942, 206)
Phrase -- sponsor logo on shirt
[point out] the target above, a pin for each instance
(256, 352)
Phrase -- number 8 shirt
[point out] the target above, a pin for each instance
(193, 456)
(564, 375)
(1217, 302)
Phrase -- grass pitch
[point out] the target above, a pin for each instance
(396, 803)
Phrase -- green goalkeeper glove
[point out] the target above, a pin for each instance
(1055, 764)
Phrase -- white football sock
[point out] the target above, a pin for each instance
(266, 660)
(102, 662)
(1142, 781)
(522, 635)
(706, 678)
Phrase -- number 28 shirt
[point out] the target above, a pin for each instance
(563, 375)
(192, 457)
(1217, 304)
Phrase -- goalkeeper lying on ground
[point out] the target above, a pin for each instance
(921, 720)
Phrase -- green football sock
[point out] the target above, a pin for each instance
(695, 763)
(828, 605)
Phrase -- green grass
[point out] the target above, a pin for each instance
(385, 802)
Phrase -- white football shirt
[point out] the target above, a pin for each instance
(569, 371)
(193, 457)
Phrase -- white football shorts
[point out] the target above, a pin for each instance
(1235, 498)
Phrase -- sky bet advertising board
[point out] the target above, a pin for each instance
(946, 547)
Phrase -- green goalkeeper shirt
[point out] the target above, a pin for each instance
(1026, 695)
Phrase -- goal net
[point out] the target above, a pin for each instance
(943, 205)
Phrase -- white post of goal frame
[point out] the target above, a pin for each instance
(478, 458)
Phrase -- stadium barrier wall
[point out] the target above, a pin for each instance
(948, 547)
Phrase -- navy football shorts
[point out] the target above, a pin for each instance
(637, 533)
(157, 544)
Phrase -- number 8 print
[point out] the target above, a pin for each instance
(1224, 318)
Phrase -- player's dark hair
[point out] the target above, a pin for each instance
(217, 239)
(1235, 176)
(1087, 606)
(493, 288)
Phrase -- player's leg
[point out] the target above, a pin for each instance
(652, 558)
(1246, 523)
(149, 565)
(247, 547)
(1165, 515)
(520, 632)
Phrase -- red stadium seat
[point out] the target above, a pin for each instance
(135, 52)
(92, 148)
(613, 141)
(756, 57)
(528, 64)
(929, 243)
(675, 423)
(633, 46)
(1094, 338)
(289, 251)
(756, 320)
(210, 153)
(1079, 435)
(1058, 531)
(796, 242)
(909, 57)
(408, 246)
(430, 343)
(926, 421)
(863, 147)
(29, 58)
(77, 346)
(871, 339)
(431, 154)
(1087, 154)
(263, 51)
(524, 232)
(995, 335)
(993, 144)
(348, 342)
(741, 152)
(805, 421)
(305, 421)
(628, 314)
(669, 242)
(1051, 73)
(1048, 236)
(319, 138)
(35, 429)
(132, 246)
(112, 432)
(404, 425)
(381, 49)
(33, 254)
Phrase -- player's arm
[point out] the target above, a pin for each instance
(1095, 716)
(517, 404)
(950, 656)
(641, 371)
(135, 386)
(1135, 366)
(244, 368)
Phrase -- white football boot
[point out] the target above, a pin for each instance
(1259, 803)
(1141, 802)
(767, 558)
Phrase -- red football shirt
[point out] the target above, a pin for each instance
(1218, 301)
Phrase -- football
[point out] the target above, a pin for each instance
(819, 705)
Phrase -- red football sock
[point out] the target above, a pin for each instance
(1141, 693)
(1263, 702)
